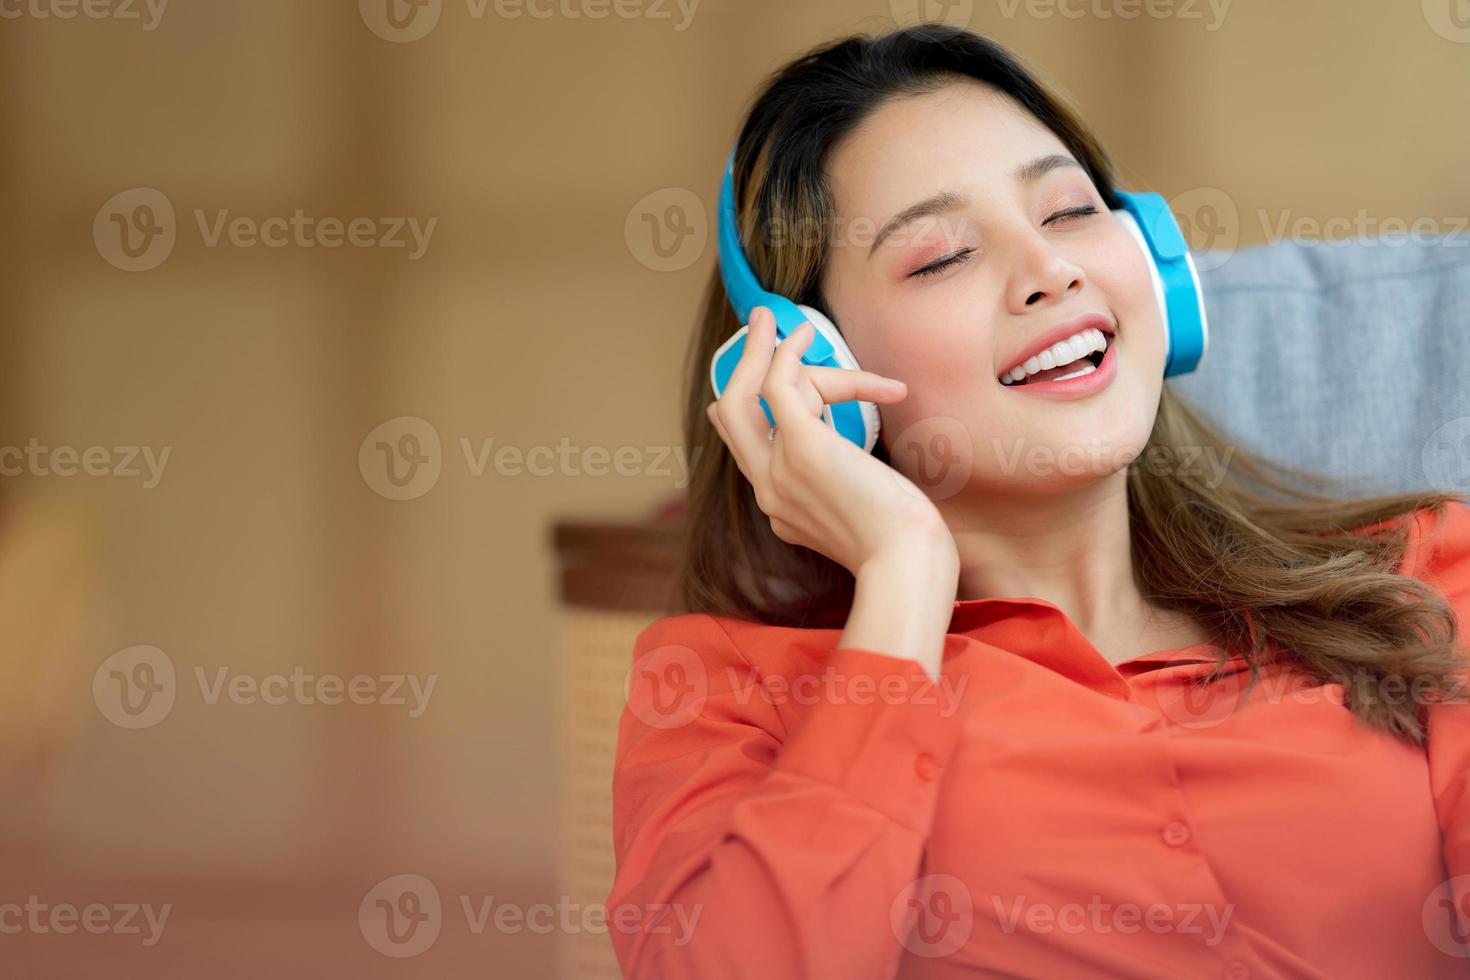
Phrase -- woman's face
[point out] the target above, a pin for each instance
(1026, 258)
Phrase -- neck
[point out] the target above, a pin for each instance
(1072, 549)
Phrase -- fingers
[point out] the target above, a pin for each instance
(743, 424)
(794, 391)
(781, 386)
(844, 385)
(801, 391)
(755, 355)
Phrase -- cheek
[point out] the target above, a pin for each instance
(923, 340)
(1122, 275)
(938, 351)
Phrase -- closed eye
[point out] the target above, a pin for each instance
(1081, 212)
(934, 268)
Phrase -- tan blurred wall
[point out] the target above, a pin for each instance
(529, 320)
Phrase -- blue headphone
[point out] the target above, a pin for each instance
(1146, 215)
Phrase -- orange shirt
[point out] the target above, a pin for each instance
(783, 808)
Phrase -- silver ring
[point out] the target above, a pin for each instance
(771, 436)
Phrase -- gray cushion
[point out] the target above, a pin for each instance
(1351, 359)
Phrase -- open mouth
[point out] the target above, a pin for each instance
(1074, 357)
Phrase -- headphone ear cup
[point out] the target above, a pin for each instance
(1176, 282)
(843, 355)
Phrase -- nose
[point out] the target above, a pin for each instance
(1040, 275)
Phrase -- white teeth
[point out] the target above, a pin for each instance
(1086, 369)
(1077, 346)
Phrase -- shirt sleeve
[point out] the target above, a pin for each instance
(1442, 558)
(744, 850)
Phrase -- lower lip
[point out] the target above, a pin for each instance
(1088, 384)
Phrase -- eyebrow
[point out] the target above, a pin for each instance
(945, 201)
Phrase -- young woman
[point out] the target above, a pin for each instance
(1115, 718)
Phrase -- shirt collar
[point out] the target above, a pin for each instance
(1041, 632)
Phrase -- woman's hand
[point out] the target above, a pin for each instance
(818, 489)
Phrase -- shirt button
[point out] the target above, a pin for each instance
(1237, 970)
(926, 767)
(1175, 833)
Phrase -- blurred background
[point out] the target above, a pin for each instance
(339, 447)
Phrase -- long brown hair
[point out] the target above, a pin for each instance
(1261, 555)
